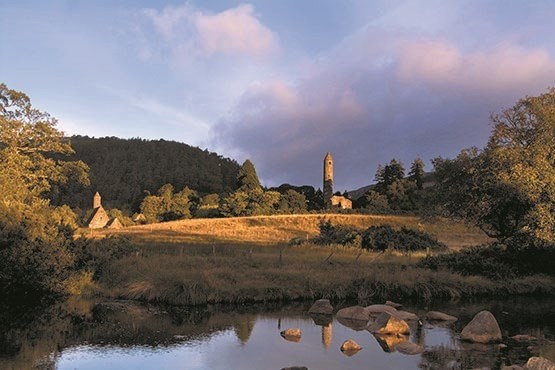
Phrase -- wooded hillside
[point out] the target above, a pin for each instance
(123, 169)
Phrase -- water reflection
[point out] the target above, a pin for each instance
(87, 335)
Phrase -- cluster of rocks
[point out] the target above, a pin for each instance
(391, 326)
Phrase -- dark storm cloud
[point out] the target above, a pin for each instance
(377, 96)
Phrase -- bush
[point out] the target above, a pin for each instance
(384, 237)
(94, 254)
(497, 260)
(337, 234)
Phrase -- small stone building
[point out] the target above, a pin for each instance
(99, 218)
(339, 201)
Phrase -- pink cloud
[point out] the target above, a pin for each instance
(234, 32)
(503, 67)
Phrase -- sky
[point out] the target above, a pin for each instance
(282, 82)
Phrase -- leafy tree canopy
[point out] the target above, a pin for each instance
(508, 189)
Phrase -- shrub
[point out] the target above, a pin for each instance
(497, 260)
(337, 234)
(94, 254)
(384, 237)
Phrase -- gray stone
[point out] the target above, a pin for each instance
(393, 304)
(439, 316)
(354, 313)
(409, 348)
(321, 306)
(405, 315)
(377, 309)
(482, 329)
(539, 363)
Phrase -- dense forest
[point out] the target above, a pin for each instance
(123, 170)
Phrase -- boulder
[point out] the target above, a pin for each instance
(292, 335)
(512, 367)
(482, 329)
(376, 309)
(389, 324)
(439, 316)
(350, 345)
(405, 315)
(321, 319)
(321, 306)
(409, 348)
(393, 304)
(539, 363)
(354, 313)
(389, 342)
(353, 324)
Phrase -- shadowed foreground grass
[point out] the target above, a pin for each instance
(200, 274)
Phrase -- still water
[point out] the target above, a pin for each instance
(80, 334)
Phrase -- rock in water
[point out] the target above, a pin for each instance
(321, 306)
(439, 316)
(376, 309)
(482, 329)
(389, 324)
(393, 304)
(354, 313)
(350, 345)
(539, 363)
(405, 315)
(295, 368)
(409, 348)
(292, 335)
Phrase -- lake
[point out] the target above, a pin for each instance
(86, 334)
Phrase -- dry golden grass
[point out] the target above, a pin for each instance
(279, 229)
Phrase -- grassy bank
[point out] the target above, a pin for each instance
(202, 274)
(240, 260)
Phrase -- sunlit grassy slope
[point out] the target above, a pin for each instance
(275, 230)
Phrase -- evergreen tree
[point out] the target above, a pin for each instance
(416, 173)
(247, 179)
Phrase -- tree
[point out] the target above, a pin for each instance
(522, 150)
(416, 172)
(507, 189)
(247, 179)
(35, 237)
(292, 202)
(387, 175)
(375, 202)
(167, 206)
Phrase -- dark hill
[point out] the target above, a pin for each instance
(123, 169)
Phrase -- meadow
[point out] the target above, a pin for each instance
(250, 259)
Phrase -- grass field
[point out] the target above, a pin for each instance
(276, 230)
(249, 259)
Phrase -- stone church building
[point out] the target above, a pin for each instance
(99, 218)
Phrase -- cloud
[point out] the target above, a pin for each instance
(376, 96)
(506, 66)
(200, 34)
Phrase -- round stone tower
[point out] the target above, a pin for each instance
(328, 179)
